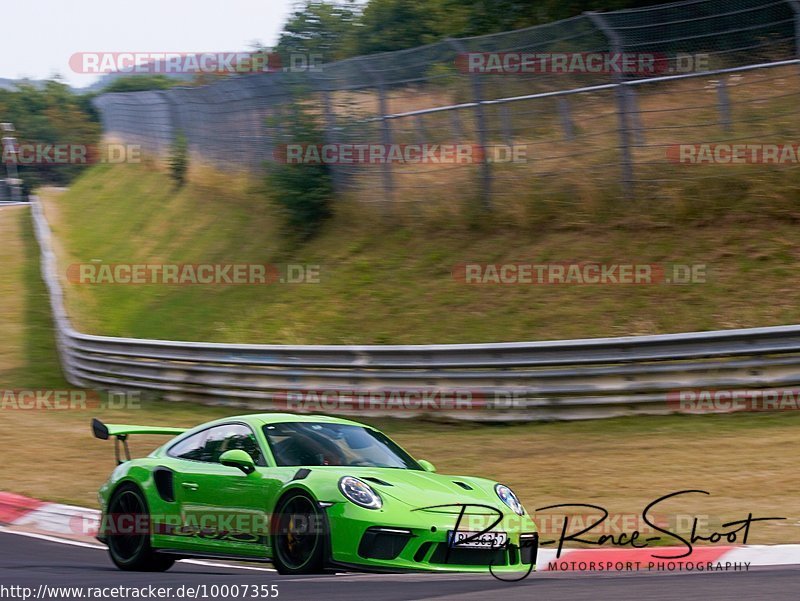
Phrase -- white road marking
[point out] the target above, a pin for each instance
(53, 539)
(211, 564)
(75, 543)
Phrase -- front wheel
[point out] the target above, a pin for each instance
(129, 533)
(299, 535)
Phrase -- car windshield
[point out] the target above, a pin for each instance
(315, 444)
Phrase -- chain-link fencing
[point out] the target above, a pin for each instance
(629, 100)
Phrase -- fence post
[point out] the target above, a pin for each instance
(330, 128)
(634, 115)
(176, 127)
(480, 118)
(565, 118)
(455, 124)
(422, 134)
(505, 118)
(724, 105)
(795, 4)
(386, 130)
(9, 147)
(622, 104)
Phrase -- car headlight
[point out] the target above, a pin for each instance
(509, 498)
(359, 493)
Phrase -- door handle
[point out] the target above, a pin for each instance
(190, 485)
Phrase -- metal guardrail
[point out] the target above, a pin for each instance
(553, 380)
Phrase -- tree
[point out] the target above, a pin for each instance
(49, 115)
(318, 28)
(138, 83)
(387, 25)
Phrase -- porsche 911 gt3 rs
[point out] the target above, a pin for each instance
(307, 493)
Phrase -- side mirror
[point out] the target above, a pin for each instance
(238, 459)
(426, 465)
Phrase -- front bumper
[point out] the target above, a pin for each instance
(374, 541)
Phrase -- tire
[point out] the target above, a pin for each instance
(299, 535)
(129, 549)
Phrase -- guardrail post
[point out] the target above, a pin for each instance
(724, 104)
(386, 131)
(622, 104)
(480, 119)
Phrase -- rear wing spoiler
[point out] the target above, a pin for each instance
(121, 433)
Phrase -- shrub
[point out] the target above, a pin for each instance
(303, 191)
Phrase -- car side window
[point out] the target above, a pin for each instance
(190, 448)
(239, 437)
(209, 445)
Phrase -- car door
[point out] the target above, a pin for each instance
(222, 509)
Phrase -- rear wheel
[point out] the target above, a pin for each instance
(129, 533)
(299, 535)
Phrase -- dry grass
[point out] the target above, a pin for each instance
(574, 175)
(12, 305)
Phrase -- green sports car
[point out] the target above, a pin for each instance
(307, 493)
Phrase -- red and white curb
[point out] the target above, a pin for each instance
(80, 522)
(53, 518)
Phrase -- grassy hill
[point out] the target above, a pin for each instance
(391, 280)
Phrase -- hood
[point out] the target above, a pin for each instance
(419, 489)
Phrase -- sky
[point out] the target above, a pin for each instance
(38, 37)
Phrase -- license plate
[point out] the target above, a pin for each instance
(487, 540)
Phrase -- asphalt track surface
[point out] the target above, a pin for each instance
(33, 562)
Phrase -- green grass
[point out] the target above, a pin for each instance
(38, 359)
(390, 280)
